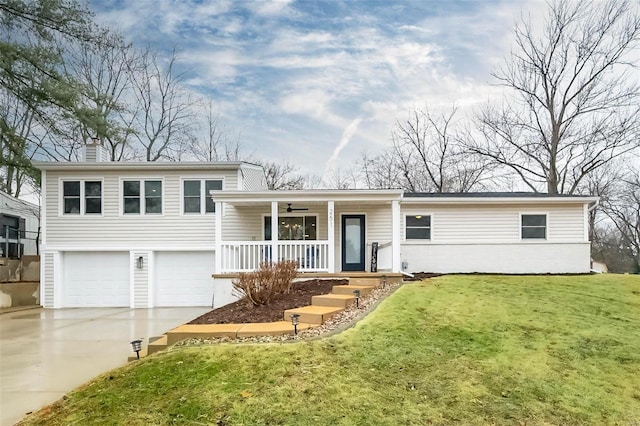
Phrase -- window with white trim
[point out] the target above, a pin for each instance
(292, 228)
(142, 196)
(196, 195)
(82, 197)
(533, 226)
(418, 227)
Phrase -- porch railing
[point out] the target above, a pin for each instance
(246, 256)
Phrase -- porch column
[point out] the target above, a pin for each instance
(274, 231)
(218, 225)
(331, 237)
(395, 236)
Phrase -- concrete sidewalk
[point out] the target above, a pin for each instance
(45, 353)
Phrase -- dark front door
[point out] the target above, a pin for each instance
(353, 243)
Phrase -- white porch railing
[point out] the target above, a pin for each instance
(246, 256)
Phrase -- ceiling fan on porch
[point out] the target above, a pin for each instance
(292, 209)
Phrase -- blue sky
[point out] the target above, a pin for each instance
(318, 83)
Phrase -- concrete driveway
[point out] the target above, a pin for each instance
(45, 353)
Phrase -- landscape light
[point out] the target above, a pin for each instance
(295, 320)
(137, 347)
(356, 293)
(384, 281)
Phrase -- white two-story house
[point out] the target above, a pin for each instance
(174, 234)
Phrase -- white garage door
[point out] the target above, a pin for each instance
(96, 279)
(183, 278)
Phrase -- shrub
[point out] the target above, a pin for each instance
(271, 279)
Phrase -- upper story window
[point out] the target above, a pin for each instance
(196, 197)
(142, 196)
(82, 197)
(418, 227)
(533, 226)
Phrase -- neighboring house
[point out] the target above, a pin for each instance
(153, 234)
(18, 227)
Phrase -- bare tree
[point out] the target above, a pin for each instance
(341, 179)
(214, 142)
(104, 70)
(573, 100)
(425, 155)
(163, 118)
(282, 175)
(623, 208)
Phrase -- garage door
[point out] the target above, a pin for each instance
(96, 279)
(183, 278)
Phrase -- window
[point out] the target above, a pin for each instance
(418, 227)
(134, 191)
(73, 192)
(196, 195)
(533, 226)
(292, 228)
(93, 197)
(10, 225)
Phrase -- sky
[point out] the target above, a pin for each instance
(318, 83)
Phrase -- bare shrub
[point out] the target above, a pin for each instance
(271, 279)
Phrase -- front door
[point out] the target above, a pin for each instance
(353, 242)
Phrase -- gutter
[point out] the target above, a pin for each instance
(594, 205)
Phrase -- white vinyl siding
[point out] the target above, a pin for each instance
(113, 230)
(47, 281)
(475, 224)
(140, 280)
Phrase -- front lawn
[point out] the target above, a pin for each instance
(454, 349)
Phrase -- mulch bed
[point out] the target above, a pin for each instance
(242, 312)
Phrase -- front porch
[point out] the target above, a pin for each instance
(323, 231)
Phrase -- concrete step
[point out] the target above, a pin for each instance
(157, 345)
(313, 314)
(348, 289)
(373, 282)
(337, 300)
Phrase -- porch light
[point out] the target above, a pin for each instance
(295, 320)
(137, 347)
(356, 293)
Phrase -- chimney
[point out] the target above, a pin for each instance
(94, 152)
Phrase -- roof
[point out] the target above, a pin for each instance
(495, 198)
(144, 165)
(515, 194)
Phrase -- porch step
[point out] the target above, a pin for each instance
(157, 345)
(313, 314)
(348, 289)
(373, 282)
(337, 300)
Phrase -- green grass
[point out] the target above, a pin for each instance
(456, 349)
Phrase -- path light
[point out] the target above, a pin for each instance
(295, 320)
(384, 281)
(356, 293)
(137, 347)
